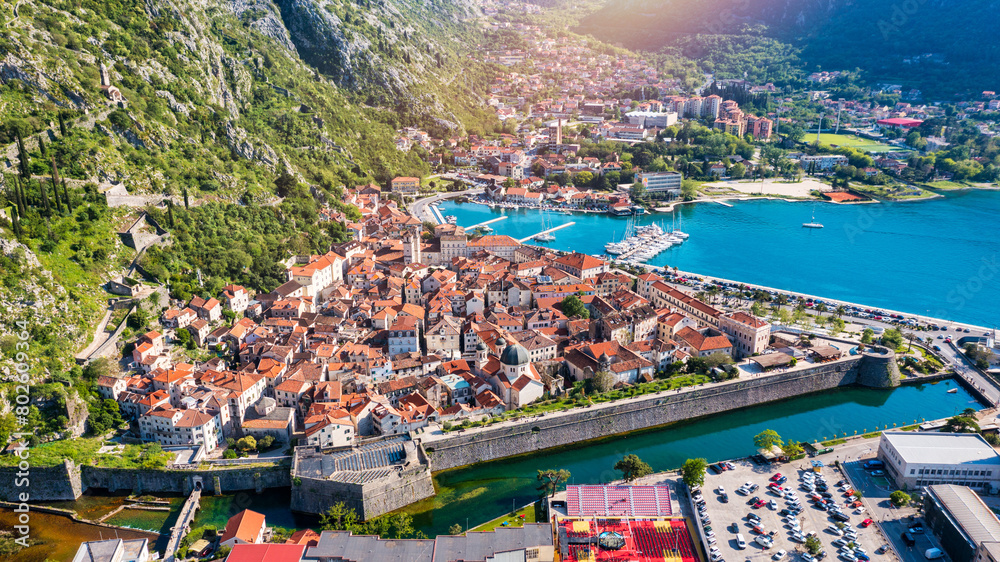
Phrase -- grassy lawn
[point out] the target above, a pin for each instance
(567, 402)
(80, 451)
(532, 514)
(852, 141)
(946, 185)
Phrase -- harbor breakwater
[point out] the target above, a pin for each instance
(875, 368)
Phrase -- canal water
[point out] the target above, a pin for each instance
(485, 491)
(937, 257)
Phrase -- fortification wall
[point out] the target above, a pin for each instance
(657, 409)
(42, 483)
(215, 481)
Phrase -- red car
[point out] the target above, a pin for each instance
(866, 523)
(848, 493)
(776, 477)
(759, 505)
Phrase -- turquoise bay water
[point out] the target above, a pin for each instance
(487, 490)
(937, 257)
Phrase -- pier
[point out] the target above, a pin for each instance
(724, 204)
(437, 214)
(183, 525)
(553, 229)
(486, 222)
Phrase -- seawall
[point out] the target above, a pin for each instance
(877, 370)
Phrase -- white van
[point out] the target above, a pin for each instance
(741, 542)
(933, 553)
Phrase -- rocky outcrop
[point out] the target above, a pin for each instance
(238, 141)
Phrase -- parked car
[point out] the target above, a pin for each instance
(807, 557)
(917, 529)
(779, 555)
(872, 464)
(908, 538)
(878, 473)
(764, 541)
(741, 542)
(835, 530)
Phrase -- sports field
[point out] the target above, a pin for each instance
(851, 141)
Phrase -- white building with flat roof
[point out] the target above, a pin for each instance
(917, 459)
(661, 184)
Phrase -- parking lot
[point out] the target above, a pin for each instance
(811, 519)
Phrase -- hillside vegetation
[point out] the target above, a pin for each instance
(938, 46)
(223, 100)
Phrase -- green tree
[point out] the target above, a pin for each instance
(583, 179)
(693, 472)
(892, 338)
(551, 479)
(247, 443)
(265, 442)
(603, 381)
(638, 191)
(737, 171)
(961, 424)
(633, 467)
(792, 449)
(573, 307)
(836, 326)
(757, 309)
(767, 440)
(689, 189)
(455, 529)
(185, 192)
(813, 544)
(900, 498)
(867, 335)
(338, 517)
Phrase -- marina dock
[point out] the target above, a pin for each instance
(553, 229)
(485, 223)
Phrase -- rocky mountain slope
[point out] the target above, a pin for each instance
(208, 100)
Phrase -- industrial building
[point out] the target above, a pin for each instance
(916, 459)
(966, 527)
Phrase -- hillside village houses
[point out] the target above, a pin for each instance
(397, 330)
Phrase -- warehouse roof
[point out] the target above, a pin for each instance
(942, 448)
(968, 511)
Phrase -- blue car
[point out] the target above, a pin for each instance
(861, 556)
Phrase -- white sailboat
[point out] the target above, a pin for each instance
(545, 236)
(812, 223)
(679, 232)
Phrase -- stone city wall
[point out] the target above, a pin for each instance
(214, 481)
(42, 483)
(657, 409)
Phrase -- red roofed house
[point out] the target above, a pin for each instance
(748, 333)
(581, 265)
(703, 343)
(405, 185)
(246, 527)
(499, 245)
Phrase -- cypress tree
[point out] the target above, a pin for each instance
(15, 221)
(62, 123)
(19, 195)
(69, 207)
(41, 146)
(186, 206)
(24, 164)
(45, 198)
(170, 213)
(55, 184)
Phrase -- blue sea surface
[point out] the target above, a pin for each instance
(936, 257)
